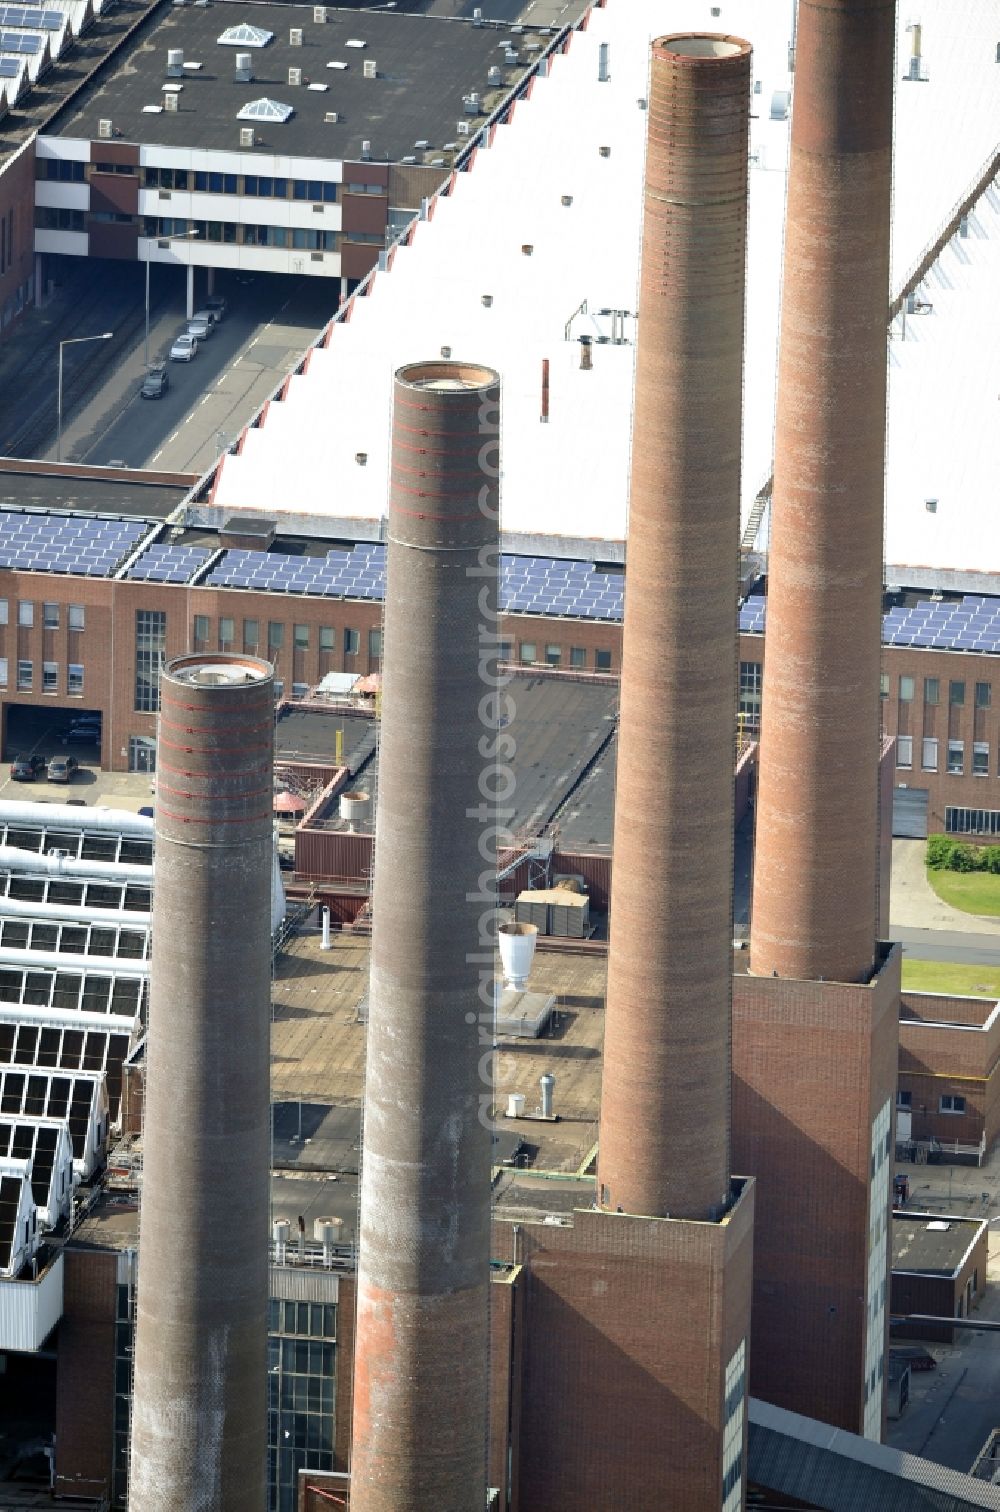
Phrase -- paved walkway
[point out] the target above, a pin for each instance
(914, 903)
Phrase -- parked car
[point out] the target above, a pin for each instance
(155, 383)
(82, 735)
(184, 348)
(26, 768)
(63, 768)
(201, 326)
(218, 306)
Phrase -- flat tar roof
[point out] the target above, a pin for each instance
(31, 485)
(932, 1243)
(425, 67)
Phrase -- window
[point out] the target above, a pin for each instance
(950, 1103)
(352, 642)
(216, 231)
(275, 635)
(3, 611)
(150, 644)
(58, 218)
(956, 757)
(602, 661)
(50, 677)
(251, 634)
(265, 188)
(981, 758)
(749, 699)
(75, 618)
(904, 1099)
(577, 656)
(315, 190)
(265, 236)
(24, 673)
(983, 695)
(553, 655)
(305, 239)
(201, 628)
(3, 671)
(527, 651)
(366, 238)
(167, 178)
(59, 168)
(302, 637)
(374, 645)
(932, 690)
(126, 168)
(50, 616)
(26, 614)
(906, 690)
(883, 685)
(299, 689)
(956, 693)
(929, 755)
(215, 183)
(74, 678)
(326, 638)
(364, 188)
(904, 750)
(227, 632)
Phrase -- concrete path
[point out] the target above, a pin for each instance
(914, 903)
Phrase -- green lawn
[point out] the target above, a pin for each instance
(946, 976)
(972, 892)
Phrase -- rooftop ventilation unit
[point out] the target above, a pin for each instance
(370, 68)
(366, 150)
(332, 117)
(463, 128)
(603, 70)
(295, 36)
(295, 77)
(243, 73)
(477, 16)
(104, 130)
(319, 15)
(175, 63)
(171, 103)
(422, 145)
(495, 76)
(246, 136)
(471, 103)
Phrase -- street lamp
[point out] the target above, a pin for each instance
(70, 341)
(174, 236)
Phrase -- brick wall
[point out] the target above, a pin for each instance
(939, 1058)
(17, 235)
(85, 1379)
(813, 1062)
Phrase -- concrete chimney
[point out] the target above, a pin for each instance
(199, 1421)
(815, 870)
(664, 1135)
(420, 1377)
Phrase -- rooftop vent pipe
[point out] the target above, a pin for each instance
(517, 951)
(175, 63)
(603, 58)
(586, 353)
(546, 1085)
(243, 73)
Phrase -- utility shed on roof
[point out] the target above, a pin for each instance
(938, 1270)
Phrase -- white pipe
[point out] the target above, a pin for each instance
(69, 817)
(14, 860)
(65, 913)
(67, 1018)
(325, 942)
(55, 960)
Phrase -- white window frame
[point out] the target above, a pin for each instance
(951, 1098)
(904, 751)
(26, 613)
(929, 754)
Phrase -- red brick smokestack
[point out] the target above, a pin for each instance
(664, 1145)
(815, 873)
(420, 1376)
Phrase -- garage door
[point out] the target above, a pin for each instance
(909, 812)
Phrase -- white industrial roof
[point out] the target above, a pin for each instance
(569, 478)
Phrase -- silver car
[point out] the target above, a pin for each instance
(184, 348)
(201, 326)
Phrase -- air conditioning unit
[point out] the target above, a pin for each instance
(104, 130)
(332, 117)
(370, 68)
(294, 76)
(244, 68)
(366, 150)
(170, 103)
(295, 37)
(471, 103)
(463, 128)
(246, 136)
(319, 15)
(175, 63)
(315, 257)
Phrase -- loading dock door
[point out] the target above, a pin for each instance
(909, 812)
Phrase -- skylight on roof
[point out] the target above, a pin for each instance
(245, 35)
(266, 110)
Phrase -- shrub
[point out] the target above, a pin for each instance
(963, 859)
(939, 852)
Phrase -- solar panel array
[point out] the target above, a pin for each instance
(31, 17)
(19, 42)
(9, 68)
(528, 585)
(972, 624)
(10, 1205)
(80, 544)
(46, 1094)
(168, 564)
(25, 1139)
(752, 615)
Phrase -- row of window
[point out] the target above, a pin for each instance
(257, 186)
(948, 1102)
(553, 656)
(75, 614)
(202, 630)
(956, 756)
(932, 691)
(231, 233)
(50, 676)
(971, 821)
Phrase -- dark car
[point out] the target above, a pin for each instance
(26, 768)
(82, 734)
(155, 383)
(217, 304)
(63, 768)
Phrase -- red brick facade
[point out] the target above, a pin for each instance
(949, 1067)
(85, 1378)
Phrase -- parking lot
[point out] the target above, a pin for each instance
(37, 731)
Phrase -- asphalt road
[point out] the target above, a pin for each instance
(948, 945)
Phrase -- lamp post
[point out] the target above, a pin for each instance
(70, 341)
(175, 236)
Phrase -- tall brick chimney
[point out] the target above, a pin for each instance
(664, 1135)
(420, 1379)
(815, 871)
